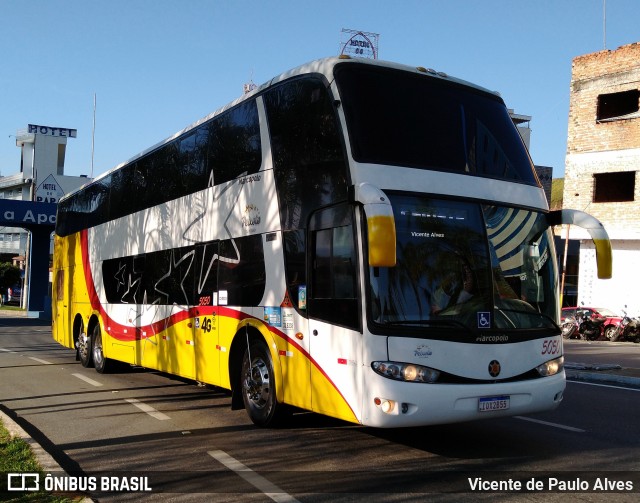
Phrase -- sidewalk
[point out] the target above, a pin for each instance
(12, 313)
(602, 373)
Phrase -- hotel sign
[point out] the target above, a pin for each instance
(52, 131)
(48, 191)
(360, 44)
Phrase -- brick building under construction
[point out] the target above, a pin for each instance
(603, 158)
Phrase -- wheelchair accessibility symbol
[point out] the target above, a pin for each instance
(484, 319)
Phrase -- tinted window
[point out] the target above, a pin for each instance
(309, 163)
(407, 119)
(187, 275)
(241, 270)
(442, 270)
(78, 211)
(193, 165)
(307, 149)
(333, 294)
(217, 151)
(295, 263)
(234, 143)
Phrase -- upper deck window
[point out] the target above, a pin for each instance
(405, 119)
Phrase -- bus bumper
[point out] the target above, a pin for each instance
(394, 404)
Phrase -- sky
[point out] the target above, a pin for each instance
(156, 66)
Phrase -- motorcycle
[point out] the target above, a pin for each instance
(570, 328)
(591, 328)
(627, 330)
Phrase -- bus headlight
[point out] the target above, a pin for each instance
(552, 367)
(408, 372)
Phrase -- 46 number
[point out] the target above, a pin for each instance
(206, 324)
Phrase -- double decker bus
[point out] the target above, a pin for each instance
(357, 238)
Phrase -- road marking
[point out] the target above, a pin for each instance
(555, 425)
(87, 380)
(45, 362)
(7, 350)
(604, 385)
(258, 481)
(148, 409)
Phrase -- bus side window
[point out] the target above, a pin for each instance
(242, 270)
(60, 285)
(333, 296)
(234, 145)
(309, 162)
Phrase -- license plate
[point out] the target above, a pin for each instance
(490, 403)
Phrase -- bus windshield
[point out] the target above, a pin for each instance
(409, 119)
(464, 265)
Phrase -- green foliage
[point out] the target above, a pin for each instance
(557, 189)
(9, 276)
(15, 454)
(16, 457)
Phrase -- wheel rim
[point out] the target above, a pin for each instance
(97, 348)
(257, 387)
(608, 333)
(83, 345)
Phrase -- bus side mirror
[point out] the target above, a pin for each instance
(597, 232)
(381, 227)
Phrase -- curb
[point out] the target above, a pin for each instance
(602, 377)
(44, 459)
(602, 373)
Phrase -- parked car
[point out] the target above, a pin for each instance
(14, 294)
(612, 319)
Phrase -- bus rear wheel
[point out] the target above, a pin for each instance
(83, 347)
(102, 364)
(258, 386)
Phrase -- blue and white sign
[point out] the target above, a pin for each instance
(484, 319)
(48, 191)
(52, 131)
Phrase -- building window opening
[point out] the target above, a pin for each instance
(61, 151)
(618, 106)
(614, 187)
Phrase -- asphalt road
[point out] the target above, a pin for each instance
(191, 447)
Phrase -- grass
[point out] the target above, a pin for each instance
(16, 457)
(9, 307)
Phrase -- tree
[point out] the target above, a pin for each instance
(10, 275)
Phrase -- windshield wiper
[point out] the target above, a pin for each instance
(431, 323)
(550, 323)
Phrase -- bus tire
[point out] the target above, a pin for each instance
(83, 347)
(258, 386)
(102, 365)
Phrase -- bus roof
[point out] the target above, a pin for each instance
(322, 66)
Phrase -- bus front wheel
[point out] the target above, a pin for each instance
(258, 386)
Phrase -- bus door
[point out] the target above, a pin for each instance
(206, 320)
(65, 251)
(334, 313)
(61, 313)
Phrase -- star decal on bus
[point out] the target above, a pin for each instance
(119, 276)
(176, 266)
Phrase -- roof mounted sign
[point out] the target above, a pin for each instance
(52, 131)
(360, 44)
